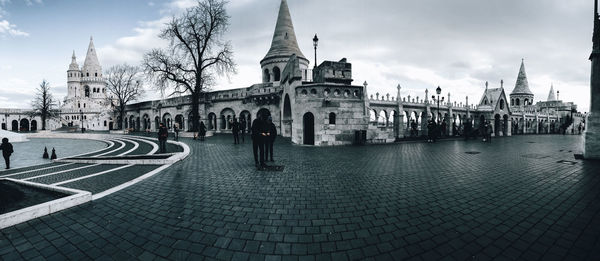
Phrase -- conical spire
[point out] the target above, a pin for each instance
(522, 86)
(73, 65)
(284, 41)
(91, 64)
(551, 95)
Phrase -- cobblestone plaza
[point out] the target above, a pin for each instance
(517, 198)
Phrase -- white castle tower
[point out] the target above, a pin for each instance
(86, 104)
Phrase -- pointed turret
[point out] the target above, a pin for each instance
(91, 66)
(284, 41)
(73, 66)
(522, 86)
(551, 95)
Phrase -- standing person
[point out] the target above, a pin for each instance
(7, 150)
(176, 128)
(202, 131)
(430, 131)
(489, 131)
(259, 130)
(235, 130)
(270, 140)
(467, 130)
(163, 134)
(243, 129)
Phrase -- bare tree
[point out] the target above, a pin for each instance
(196, 53)
(43, 103)
(124, 85)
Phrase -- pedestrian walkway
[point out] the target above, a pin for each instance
(516, 198)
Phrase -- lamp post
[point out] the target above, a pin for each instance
(81, 118)
(315, 44)
(438, 91)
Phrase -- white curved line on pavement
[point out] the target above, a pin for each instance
(129, 183)
(154, 145)
(59, 172)
(110, 144)
(135, 146)
(91, 175)
(108, 152)
(34, 170)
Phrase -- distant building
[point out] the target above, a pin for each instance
(319, 106)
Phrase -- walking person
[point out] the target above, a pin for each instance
(259, 133)
(235, 130)
(163, 134)
(7, 150)
(176, 129)
(270, 140)
(243, 129)
(202, 131)
(430, 131)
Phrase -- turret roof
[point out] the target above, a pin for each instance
(91, 63)
(73, 66)
(522, 86)
(551, 95)
(284, 38)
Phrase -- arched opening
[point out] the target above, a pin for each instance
(4, 125)
(146, 122)
(227, 116)
(505, 125)
(24, 125)
(502, 104)
(212, 121)
(512, 102)
(332, 118)
(87, 91)
(156, 122)
(266, 76)
(180, 121)
(264, 112)
(33, 125)
(287, 116)
(372, 116)
(167, 120)
(137, 124)
(308, 123)
(15, 125)
(481, 121)
(276, 74)
(382, 119)
(518, 102)
(497, 123)
(245, 120)
(526, 102)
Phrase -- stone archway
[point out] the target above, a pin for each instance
(15, 125)
(308, 124)
(33, 125)
(497, 125)
(24, 125)
(505, 125)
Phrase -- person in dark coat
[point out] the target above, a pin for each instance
(270, 140)
(243, 129)
(259, 133)
(468, 129)
(235, 130)
(431, 131)
(163, 134)
(7, 150)
(202, 131)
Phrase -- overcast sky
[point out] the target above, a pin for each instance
(458, 44)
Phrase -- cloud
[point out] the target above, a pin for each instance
(32, 2)
(10, 29)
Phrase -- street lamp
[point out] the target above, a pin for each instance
(81, 118)
(315, 44)
(438, 91)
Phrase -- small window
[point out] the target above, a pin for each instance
(304, 92)
(96, 74)
(88, 74)
(336, 92)
(346, 93)
(355, 93)
(313, 92)
(326, 92)
(331, 118)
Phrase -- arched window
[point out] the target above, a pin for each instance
(276, 74)
(266, 76)
(88, 74)
(512, 102)
(502, 104)
(96, 74)
(104, 123)
(331, 118)
(526, 102)
(518, 101)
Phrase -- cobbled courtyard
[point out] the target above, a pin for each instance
(517, 198)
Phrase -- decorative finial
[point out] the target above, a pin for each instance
(486, 85)
(365, 84)
(501, 83)
(91, 38)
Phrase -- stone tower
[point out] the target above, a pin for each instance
(73, 78)
(591, 146)
(521, 95)
(551, 94)
(284, 44)
(92, 82)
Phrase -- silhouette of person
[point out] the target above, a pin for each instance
(270, 139)
(7, 150)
